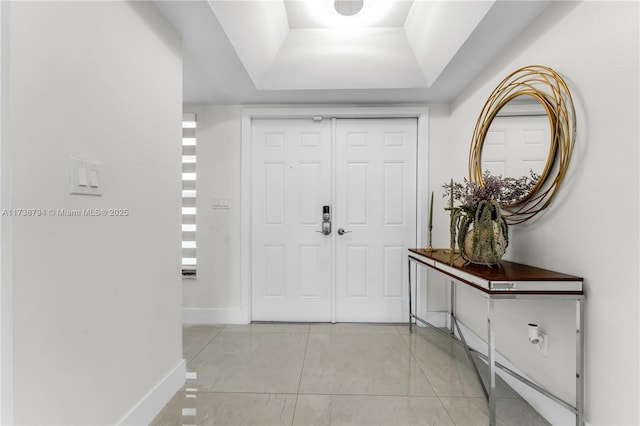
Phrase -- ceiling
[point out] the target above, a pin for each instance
(282, 51)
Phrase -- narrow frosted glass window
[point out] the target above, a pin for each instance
(189, 195)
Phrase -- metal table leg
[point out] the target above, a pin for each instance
(452, 306)
(410, 311)
(579, 363)
(492, 364)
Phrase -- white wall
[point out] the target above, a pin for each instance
(97, 300)
(214, 296)
(591, 228)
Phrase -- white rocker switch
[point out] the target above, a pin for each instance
(82, 176)
(93, 179)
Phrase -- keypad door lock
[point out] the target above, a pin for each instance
(326, 220)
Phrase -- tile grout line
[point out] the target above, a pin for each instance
(191, 392)
(415, 334)
(206, 344)
(416, 361)
(304, 358)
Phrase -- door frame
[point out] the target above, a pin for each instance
(6, 286)
(421, 113)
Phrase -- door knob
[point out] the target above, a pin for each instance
(342, 231)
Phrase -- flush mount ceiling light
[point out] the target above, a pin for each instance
(349, 13)
(348, 7)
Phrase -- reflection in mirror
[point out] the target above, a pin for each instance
(518, 142)
(518, 139)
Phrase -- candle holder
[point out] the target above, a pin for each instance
(451, 251)
(452, 242)
(430, 248)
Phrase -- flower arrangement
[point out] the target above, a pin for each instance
(477, 225)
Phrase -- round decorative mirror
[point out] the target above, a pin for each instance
(525, 135)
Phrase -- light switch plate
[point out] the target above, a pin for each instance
(221, 203)
(84, 177)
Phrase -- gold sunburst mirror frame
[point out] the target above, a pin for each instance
(550, 90)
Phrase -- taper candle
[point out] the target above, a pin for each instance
(451, 197)
(431, 212)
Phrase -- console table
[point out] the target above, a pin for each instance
(505, 281)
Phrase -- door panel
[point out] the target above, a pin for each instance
(376, 205)
(291, 181)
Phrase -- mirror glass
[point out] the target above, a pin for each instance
(518, 143)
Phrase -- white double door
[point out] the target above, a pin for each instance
(365, 171)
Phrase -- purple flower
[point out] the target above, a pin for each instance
(505, 191)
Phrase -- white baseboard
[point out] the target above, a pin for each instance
(553, 412)
(154, 401)
(213, 316)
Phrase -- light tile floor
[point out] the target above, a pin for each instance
(332, 374)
